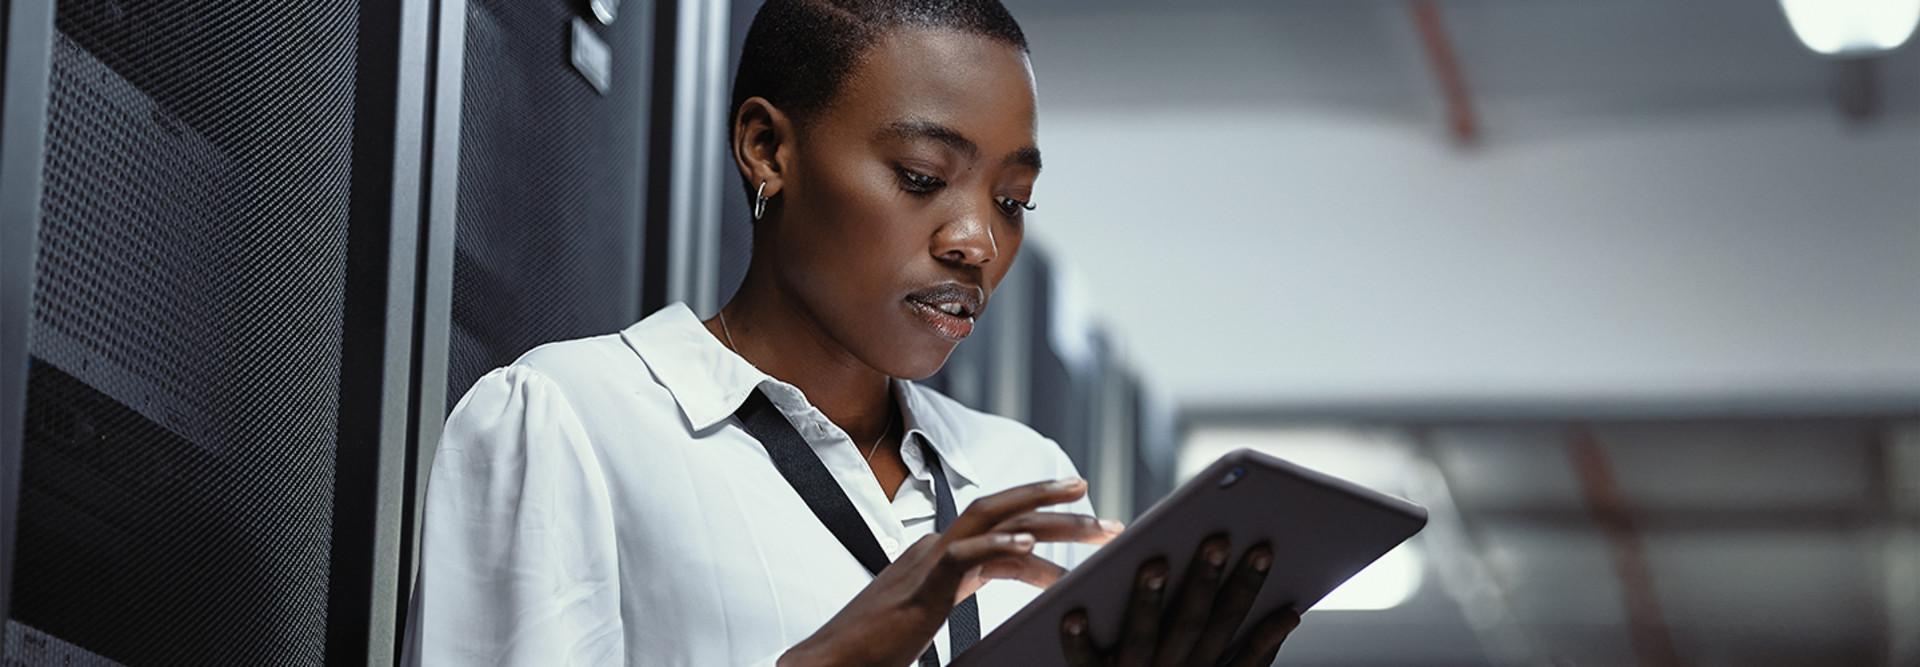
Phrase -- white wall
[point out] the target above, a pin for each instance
(1279, 250)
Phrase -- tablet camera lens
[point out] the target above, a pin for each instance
(1233, 475)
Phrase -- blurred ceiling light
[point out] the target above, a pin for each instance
(1852, 27)
(1369, 457)
(1385, 584)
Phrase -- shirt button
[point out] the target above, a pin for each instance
(891, 546)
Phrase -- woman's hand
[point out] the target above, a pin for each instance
(1198, 628)
(891, 622)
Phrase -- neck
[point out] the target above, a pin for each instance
(783, 339)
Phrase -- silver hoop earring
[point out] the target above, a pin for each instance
(760, 202)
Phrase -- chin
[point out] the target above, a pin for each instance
(922, 363)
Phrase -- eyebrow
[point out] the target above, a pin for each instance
(920, 129)
(1028, 156)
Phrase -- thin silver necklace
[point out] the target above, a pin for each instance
(728, 332)
(883, 438)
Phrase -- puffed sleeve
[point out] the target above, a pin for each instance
(518, 563)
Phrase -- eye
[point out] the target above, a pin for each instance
(918, 183)
(1013, 207)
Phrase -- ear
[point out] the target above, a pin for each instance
(762, 144)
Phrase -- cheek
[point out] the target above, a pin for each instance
(862, 203)
(869, 220)
(853, 232)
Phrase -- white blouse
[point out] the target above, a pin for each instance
(596, 503)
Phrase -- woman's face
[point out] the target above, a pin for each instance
(902, 211)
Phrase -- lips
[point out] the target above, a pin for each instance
(948, 308)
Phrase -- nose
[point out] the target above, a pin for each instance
(968, 240)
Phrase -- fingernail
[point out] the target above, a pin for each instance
(1111, 526)
(1156, 581)
(1076, 626)
(1023, 540)
(1262, 561)
(1064, 485)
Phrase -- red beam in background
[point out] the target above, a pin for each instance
(1646, 627)
(1433, 35)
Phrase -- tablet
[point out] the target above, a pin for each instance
(1323, 530)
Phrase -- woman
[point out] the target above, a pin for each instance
(604, 501)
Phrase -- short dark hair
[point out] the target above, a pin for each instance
(799, 53)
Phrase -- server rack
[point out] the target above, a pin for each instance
(553, 208)
(211, 225)
(382, 231)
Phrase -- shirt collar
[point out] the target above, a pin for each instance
(709, 382)
(935, 426)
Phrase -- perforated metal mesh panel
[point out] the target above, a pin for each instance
(550, 201)
(181, 413)
(27, 646)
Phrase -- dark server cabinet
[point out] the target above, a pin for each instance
(552, 179)
(1156, 447)
(538, 223)
(210, 227)
(1062, 391)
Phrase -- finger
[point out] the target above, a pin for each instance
(1142, 633)
(1062, 527)
(1263, 642)
(965, 554)
(1028, 568)
(948, 576)
(1076, 640)
(1231, 605)
(989, 511)
(1194, 603)
(1267, 659)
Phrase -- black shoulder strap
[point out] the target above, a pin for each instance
(803, 469)
(809, 477)
(963, 625)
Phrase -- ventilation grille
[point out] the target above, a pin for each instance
(550, 201)
(177, 471)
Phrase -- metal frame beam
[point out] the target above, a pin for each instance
(1453, 85)
(28, 44)
(434, 319)
(1898, 473)
(1694, 521)
(1646, 626)
(697, 172)
(383, 255)
(1455, 412)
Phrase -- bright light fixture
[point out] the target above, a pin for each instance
(1852, 27)
(1383, 585)
(1370, 458)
